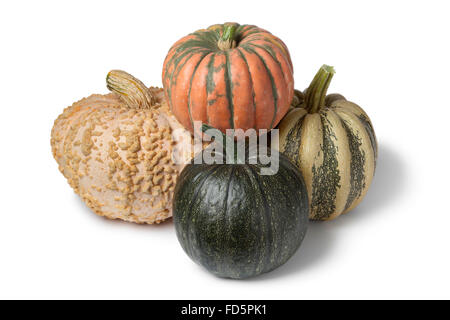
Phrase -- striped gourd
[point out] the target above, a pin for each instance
(333, 143)
(229, 76)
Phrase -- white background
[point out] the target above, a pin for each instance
(391, 57)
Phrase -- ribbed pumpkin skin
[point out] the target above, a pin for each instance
(249, 86)
(237, 223)
(336, 151)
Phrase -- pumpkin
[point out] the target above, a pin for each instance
(121, 152)
(333, 143)
(229, 76)
(236, 222)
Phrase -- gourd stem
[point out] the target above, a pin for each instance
(131, 90)
(227, 40)
(226, 139)
(317, 90)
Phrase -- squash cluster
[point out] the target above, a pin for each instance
(129, 154)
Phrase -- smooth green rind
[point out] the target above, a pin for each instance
(237, 223)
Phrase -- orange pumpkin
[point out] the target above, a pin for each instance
(229, 76)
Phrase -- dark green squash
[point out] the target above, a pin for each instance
(238, 223)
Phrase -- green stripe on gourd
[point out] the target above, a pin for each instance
(272, 81)
(271, 52)
(357, 174)
(210, 84)
(273, 74)
(190, 86)
(293, 142)
(339, 175)
(250, 76)
(229, 88)
(184, 56)
(326, 177)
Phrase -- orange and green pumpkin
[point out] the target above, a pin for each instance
(229, 76)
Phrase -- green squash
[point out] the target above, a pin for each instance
(332, 142)
(238, 223)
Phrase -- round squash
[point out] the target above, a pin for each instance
(122, 152)
(333, 143)
(229, 76)
(236, 222)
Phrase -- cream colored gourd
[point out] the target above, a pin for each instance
(121, 152)
(332, 142)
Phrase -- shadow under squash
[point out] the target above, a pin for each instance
(168, 224)
(316, 246)
(388, 186)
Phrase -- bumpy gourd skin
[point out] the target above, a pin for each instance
(118, 159)
(238, 223)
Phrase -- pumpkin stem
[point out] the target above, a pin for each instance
(227, 40)
(131, 90)
(226, 141)
(226, 138)
(317, 90)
